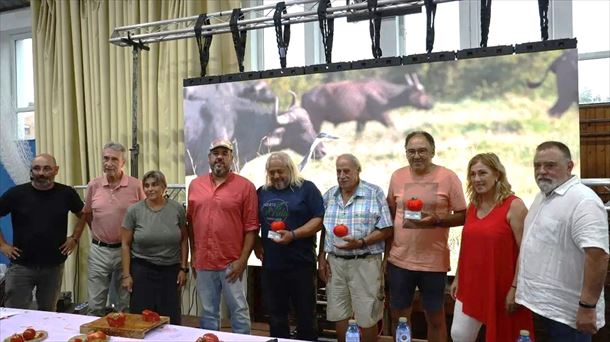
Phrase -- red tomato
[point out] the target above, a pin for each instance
(209, 337)
(415, 204)
(98, 336)
(340, 230)
(16, 338)
(150, 316)
(77, 339)
(278, 225)
(116, 319)
(29, 334)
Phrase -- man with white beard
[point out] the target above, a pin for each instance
(564, 251)
(222, 219)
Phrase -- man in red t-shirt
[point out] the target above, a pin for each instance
(223, 223)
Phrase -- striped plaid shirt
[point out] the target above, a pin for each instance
(365, 211)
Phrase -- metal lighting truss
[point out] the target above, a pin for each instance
(183, 28)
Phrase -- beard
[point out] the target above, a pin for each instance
(41, 181)
(547, 185)
(220, 170)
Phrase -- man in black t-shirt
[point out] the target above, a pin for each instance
(39, 216)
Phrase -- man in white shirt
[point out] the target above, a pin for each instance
(564, 251)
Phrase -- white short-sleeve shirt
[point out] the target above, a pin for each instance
(551, 263)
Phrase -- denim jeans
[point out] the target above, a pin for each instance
(210, 285)
(559, 332)
(21, 280)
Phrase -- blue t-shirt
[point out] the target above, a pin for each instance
(295, 206)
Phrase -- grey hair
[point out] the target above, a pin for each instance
(294, 176)
(115, 146)
(352, 158)
(158, 176)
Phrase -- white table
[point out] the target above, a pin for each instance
(62, 326)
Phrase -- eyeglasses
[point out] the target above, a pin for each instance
(420, 151)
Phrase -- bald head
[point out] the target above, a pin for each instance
(47, 157)
(43, 171)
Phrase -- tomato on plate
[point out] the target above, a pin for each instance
(150, 316)
(278, 225)
(16, 338)
(116, 319)
(29, 334)
(98, 336)
(209, 337)
(340, 230)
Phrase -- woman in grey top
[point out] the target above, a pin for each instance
(155, 247)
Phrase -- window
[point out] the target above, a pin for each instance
(591, 21)
(24, 88)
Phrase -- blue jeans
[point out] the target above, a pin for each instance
(210, 285)
(21, 280)
(559, 332)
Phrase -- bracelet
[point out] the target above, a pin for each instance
(73, 238)
(363, 242)
(294, 237)
(514, 286)
(585, 305)
(126, 276)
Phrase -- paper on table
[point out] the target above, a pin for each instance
(7, 312)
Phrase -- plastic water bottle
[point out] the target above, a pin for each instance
(352, 334)
(524, 336)
(403, 332)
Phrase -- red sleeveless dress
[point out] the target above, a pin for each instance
(488, 257)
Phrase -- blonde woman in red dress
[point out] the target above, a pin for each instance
(484, 286)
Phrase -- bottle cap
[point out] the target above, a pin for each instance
(524, 333)
(352, 321)
(402, 320)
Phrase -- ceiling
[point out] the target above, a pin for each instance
(7, 5)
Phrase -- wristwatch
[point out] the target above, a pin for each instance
(184, 269)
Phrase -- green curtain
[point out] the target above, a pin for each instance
(83, 90)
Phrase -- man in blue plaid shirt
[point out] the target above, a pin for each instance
(351, 265)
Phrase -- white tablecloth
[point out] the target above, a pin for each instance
(62, 326)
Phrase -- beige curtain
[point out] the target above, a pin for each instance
(83, 90)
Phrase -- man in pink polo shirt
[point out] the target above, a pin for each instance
(223, 223)
(108, 198)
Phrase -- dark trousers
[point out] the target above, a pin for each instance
(296, 287)
(155, 288)
(554, 331)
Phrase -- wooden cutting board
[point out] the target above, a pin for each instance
(135, 326)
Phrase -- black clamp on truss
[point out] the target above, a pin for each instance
(485, 19)
(374, 27)
(327, 29)
(239, 37)
(543, 10)
(430, 16)
(282, 37)
(203, 47)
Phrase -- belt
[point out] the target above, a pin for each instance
(352, 257)
(103, 244)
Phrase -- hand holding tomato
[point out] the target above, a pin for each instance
(341, 230)
(415, 204)
(278, 225)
